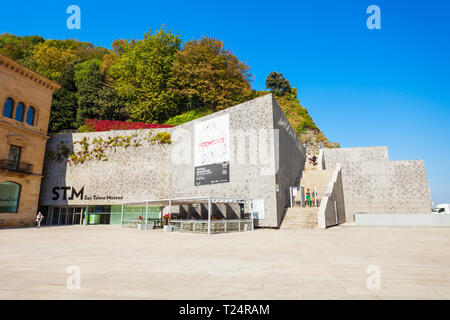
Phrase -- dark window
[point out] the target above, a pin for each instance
(9, 196)
(19, 112)
(8, 108)
(441, 210)
(30, 116)
(14, 157)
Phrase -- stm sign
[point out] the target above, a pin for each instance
(57, 191)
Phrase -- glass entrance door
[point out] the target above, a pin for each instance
(65, 215)
(77, 215)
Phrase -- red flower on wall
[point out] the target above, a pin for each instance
(107, 125)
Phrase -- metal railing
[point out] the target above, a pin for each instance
(133, 223)
(16, 166)
(217, 226)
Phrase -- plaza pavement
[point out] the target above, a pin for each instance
(120, 263)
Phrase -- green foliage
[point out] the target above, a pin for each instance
(64, 103)
(51, 61)
(141, 75)
(96, 100)
(62, 152)
(300, 119)
(277, 83)
(82, 69)
(150, 80)
(97, 148)
(205, 75)
(86, 128)
(48, 57)
(87, 94)
(188, 116)
(162, 138)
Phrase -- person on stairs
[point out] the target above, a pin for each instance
(308, 198)
(308, 156)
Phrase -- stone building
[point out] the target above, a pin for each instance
(25, 100)
(374, 184)
(247, 151)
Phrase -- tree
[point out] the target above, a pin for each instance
(141, 75)
(111, 105)
(277, 83)
(96, 100)
(81, 69)
(205, 75)
(88, 90)
(64, 103)
(50, 60)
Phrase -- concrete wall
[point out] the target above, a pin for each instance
(292, 155)
(332, 207)
(167, 171)
(374, 184)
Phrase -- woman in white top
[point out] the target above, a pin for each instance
(39, 219)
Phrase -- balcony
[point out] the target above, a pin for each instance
(16, 166)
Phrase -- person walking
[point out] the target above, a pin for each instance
(39, 219)
(308, 156)
(308, 198)
(313, 198)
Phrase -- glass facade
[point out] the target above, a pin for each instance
(96, 214)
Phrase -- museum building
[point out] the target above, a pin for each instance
(239, 163)
(235, 160)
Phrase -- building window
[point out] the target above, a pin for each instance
(14, 157)
(30, 116)
(9, 196)
(8, 108)
(19, 112)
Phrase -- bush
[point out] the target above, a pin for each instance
(187, 116)
(94, 125)
(162, 138)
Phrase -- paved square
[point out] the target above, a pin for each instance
(265, 264)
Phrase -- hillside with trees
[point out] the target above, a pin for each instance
(156, 79)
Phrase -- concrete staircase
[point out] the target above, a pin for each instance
(299, 217)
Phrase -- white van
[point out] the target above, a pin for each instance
(441, 209)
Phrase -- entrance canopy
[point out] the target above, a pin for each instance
(194, 200)
(209, 201)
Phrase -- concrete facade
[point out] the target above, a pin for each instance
(22, 85)
(373, 184)
(146, 170)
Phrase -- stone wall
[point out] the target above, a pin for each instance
(291, 162)
(373, 184)
(159, 171)
(23, 85)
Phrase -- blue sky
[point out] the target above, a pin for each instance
(388, 87)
